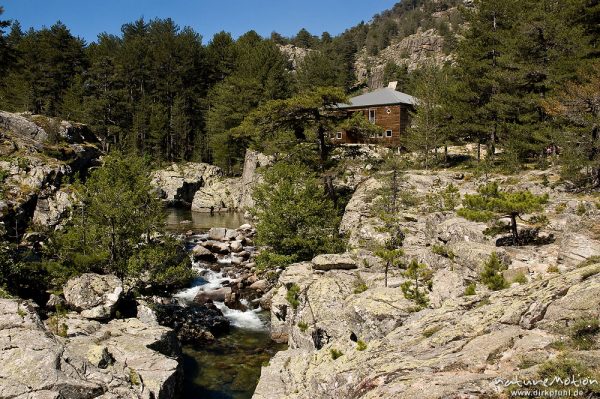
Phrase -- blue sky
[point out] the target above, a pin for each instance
(87, 18)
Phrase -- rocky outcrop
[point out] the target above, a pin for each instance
(126, 355)
(222, 195)
(121, 359)
(253, 162)
(414, 51)
(218, 196)
(39, 155)
(52, 207)
(94, 295)
(457, 350)
(333, 262)
(178, 184)
(294, 54)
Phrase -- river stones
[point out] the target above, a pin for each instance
(201, 253)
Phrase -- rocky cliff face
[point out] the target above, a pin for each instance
(204, 188)
(349, 336)
(38, 157)
(121, 359)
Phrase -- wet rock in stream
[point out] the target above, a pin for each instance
(193, 324)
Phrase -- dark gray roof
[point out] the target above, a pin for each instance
(385, 96)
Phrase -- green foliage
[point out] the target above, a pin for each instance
(293, 295)
(553, 269)
(335, 354)
(520, 278)
(428, 129)
(418, 277)
(442, 250)
(491, 275)
(581, 209)
(444, 200)
(360, 287)
(302, 326)
(584, 333)
(470, 290)
(164, 264)
(492, 203)
(295, 218)
(361, 345)
(134, 377)
(117, 212)
(56, 322)
(269, 260)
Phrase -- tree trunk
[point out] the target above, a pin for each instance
(513, 227)
(479, 152)
(446, 154)
(387, 266)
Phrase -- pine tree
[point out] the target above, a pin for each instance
(577, 112)
(427, 131)
(418, 277)
(491, 203)
(492, 275)
(295, 218)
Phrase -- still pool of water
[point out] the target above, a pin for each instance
(182, 220)
(229, 368)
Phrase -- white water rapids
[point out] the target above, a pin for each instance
(211, 281)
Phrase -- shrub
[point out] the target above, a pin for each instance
(292, 296)
(269, 260)
(360, 287)
(335, 354)
(470, 290)
(553, 269)
(520, 278)
(583, 333)
(442, 250)
(303, 326)
(361, 345)
(560, 208)
(418, 277)
(492, 273)
(581, 209)
(444, 200)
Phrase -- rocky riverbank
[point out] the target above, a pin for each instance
(350, 336)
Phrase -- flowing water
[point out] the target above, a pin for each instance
(230, 367)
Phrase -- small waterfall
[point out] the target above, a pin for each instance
(211, 281)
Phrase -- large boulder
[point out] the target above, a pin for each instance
(178, 184)
(94, 295)
(126, 355)
(121, 359)
(334, 261)
(192, 324)
(218, 196)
